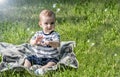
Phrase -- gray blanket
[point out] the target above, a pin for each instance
(13, 56)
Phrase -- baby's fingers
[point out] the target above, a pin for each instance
(40, 37)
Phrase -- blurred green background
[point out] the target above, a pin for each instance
(93, 24)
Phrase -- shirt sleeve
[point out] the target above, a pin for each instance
(56, 37)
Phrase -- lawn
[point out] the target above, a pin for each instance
(93, 24)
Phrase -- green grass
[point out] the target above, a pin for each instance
(93, 24)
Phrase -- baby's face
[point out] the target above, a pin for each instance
(47, 23)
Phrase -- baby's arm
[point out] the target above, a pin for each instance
(55, 41)
(54, 44)
(36, 41)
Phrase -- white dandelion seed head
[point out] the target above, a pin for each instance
(105, 9)
(88, 40)
(92, 44)
(115, 54)
(54, 5)
(58, 10)
(32, 32)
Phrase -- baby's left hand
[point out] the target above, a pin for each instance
(46, 42)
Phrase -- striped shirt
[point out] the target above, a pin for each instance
(47, 51)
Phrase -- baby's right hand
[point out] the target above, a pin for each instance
(39, 39)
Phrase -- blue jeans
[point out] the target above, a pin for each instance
(40, 61)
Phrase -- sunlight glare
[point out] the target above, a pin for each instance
(2, 1)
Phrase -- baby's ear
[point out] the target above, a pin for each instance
(39, 23)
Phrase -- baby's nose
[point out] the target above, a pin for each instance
(49, 25)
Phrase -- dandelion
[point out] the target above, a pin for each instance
(88, 40)
(54, 5)
(92, 44)
(32, 32)
(115, 54)
(105, 9)
(58, 10)
(28, 29)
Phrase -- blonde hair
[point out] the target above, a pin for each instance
(47, 13)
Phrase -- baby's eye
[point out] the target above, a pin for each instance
(52, 23)
(46, 23)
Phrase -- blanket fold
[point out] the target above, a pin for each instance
(13, 56)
